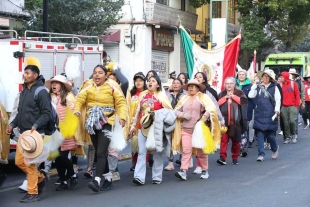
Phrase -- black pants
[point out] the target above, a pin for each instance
(101, 144)
(64, 166)
(306, 112)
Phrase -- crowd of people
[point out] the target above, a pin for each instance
(188, 118)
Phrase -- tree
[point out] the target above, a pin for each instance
(84, 17)
(289, 21)
(198, 3)
(303, 46)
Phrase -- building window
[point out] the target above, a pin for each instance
(231, 11)
(166, 2)
(216, 9)
(183, 5)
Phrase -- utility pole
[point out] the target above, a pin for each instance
(45, 15)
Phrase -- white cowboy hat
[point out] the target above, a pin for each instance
(194, 82)
(307, 76)
(293, 71)
(30, 144)
(59, 78)
(271, 74)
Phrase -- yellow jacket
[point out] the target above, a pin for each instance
(107, 95)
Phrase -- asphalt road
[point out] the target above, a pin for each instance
(284, 182)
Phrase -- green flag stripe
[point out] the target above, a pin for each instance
(187, 44)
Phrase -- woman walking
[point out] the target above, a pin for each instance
(104, 100)
(63, 101)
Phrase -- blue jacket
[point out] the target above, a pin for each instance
(264, 110)
(246, 87)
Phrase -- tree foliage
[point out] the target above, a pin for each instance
(198, 3)
(84, 17)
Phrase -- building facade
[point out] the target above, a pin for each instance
(149, 36)
(11, 14)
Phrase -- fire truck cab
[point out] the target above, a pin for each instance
(51, 49)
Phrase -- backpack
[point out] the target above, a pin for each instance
(52, 124)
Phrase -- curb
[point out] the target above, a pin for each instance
(123, 157)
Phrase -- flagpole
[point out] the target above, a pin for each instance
(254, 62)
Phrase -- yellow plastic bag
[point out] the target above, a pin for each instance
(69, 126)
(210, 147)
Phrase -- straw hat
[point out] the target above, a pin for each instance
(146, 122)
(293, 71)
(271, 74)
(59, 78)
(30, 144)
(194, 82)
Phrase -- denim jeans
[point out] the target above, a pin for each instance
(270, 135)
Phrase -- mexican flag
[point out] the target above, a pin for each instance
(217, 64)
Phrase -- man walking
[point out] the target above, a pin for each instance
(33, 114)
(289, 110)
(295, 77)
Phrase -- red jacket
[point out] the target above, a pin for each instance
(290, 97)
(307, 90)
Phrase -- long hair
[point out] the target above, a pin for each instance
(62, 93)
(186, 77)
(158, 82)
(180, 81)
(153, 72)
(102, 67)
(204, 77)
(133, 91)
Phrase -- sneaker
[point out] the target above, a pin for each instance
(42, 185)
(63, 186)
(157, 182)
(3, 178)
(74, 181)
(250, 145)
(132, 168)
(235, 162)
(281, 133)
(181, 175)
(305, 126)
(244, 154)
(300, 123)
(28, 198)
(169, 167)
(107, 185)
(275, 154)
(204, 174)
(260, 159)
(294, 139)
(198, 170)
(24, 187)
(178, 162)
(137, 181)
(58, 182)
(116, 176)
(287, 141)
(94, 185)
(221, 161)
(88, 173)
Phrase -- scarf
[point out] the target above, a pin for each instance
(235, 115)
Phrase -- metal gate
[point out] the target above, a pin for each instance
(160, 63)
(112, 51)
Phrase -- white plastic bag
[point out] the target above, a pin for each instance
(118, 142)
(150, 141)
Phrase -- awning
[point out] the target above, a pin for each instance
(173, 27)
(111, 35)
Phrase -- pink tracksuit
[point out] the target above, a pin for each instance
(192, 107)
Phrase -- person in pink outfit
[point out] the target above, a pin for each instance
(191, 109)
